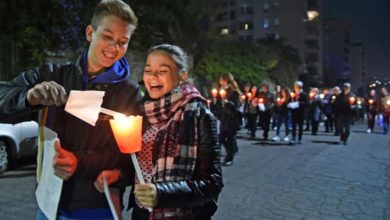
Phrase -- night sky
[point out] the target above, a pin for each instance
(370, 22)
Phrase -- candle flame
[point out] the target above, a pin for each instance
(214, 92)
(128, 133)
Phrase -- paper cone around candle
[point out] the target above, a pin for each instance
(85, 105)
(128, 133)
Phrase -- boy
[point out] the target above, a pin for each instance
(84, 151)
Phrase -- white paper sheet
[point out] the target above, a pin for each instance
(50, 186)
(261, 107)
(85, 105)
(293, 105)
(112, 196)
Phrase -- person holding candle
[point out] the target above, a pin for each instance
(180, 156)
(253, 111)
(245, 104)
(326, 102)
(315, 110)
(335, 92)
(297, 105)
(227, 111)
(370, 103)
(266, 103)
(281, 113)
(83, 151)
(344, 106)
(384, 108)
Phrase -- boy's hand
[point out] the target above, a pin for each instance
(111, 175)
(47, 93)
(64, 162)
(146, 194)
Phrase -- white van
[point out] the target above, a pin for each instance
(17, 141)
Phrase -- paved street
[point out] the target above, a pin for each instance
(316, 180)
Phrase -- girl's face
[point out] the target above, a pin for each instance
(223, 82)
(254, 89)
(160, 74)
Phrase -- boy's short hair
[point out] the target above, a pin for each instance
(347, 85)
(113, 7)
(299, 84)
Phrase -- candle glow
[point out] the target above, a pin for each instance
(222, 93)
(352, 100)
(128, 133)
(214, 92)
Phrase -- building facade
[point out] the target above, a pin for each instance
(336, 47)
(358, 76)
(296, 22)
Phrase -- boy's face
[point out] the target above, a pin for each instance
(108, 42)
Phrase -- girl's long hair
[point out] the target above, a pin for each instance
(232, 82)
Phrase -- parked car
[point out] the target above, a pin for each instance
(17, 141)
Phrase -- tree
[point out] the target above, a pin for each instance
(40, 26)
(248, 63)
(286, 70)
(181, 22)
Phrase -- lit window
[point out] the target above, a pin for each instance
(224, 31)
(246, 25)
(266, 23)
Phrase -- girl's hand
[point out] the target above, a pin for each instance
(146, 194)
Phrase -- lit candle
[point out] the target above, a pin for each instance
(311, 94)
(214, 92)
(243, 97)
(322, 96)
(370, 101)
(249, 94)
(279, 100)
(352, 100)
(261, 100)
(333, 97)
(128, 133)
(359, 102)
(222, 93)
(388, 102)
(292, 94)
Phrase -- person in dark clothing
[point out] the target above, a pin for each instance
(226, 110)
(281, 113)
(266, 103)
(315, 110)
(336, 92)
(252, 111)
(84, 151)
(297, 106)
(384, 108)
(344, 106)
(370, 103)
(245, 104)
(326, 102)
(180, 156)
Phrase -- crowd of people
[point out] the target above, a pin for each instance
(337, 108)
